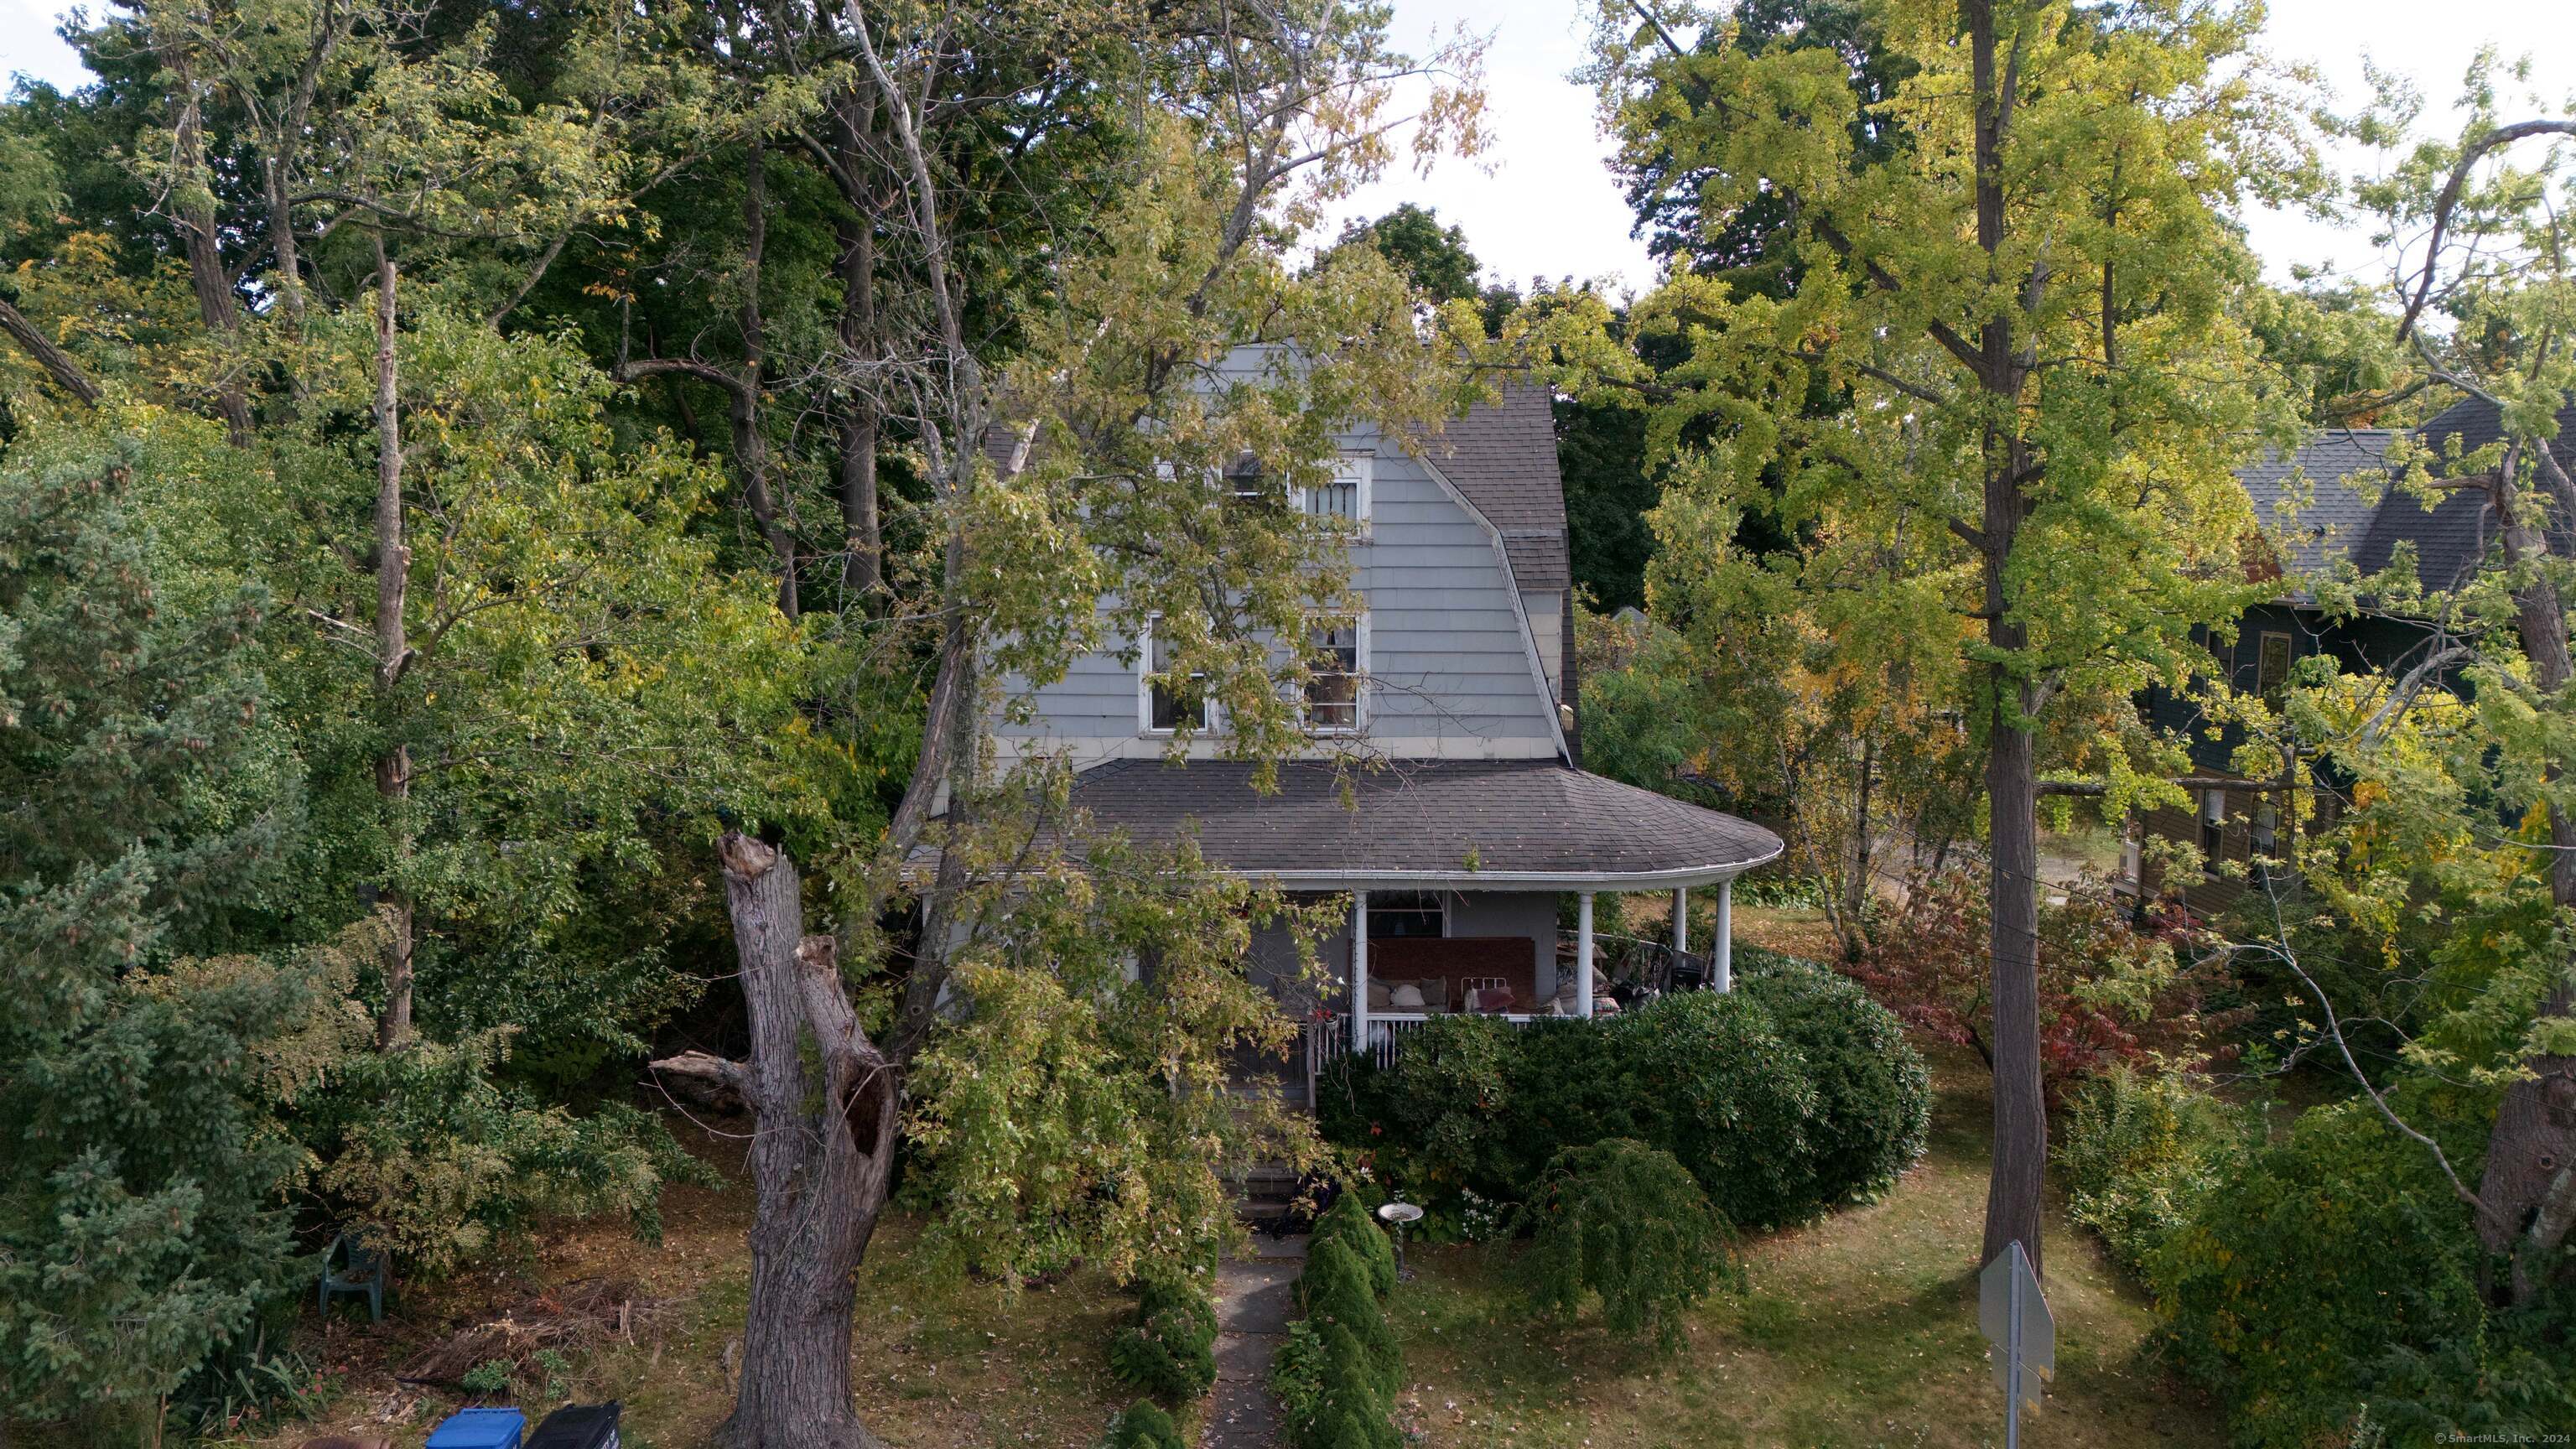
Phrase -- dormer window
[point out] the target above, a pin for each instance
(1333, 688)
(1167, 703)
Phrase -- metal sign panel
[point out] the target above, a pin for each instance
(2013, 1315)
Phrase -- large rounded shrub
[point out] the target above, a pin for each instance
(2312, 1265)
(1874, 1098)
(1789, 1095)
(1725, 1093)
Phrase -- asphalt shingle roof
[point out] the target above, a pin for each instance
(2302, 498)
(1502, 456)
(1460, 823)
(2335, 520)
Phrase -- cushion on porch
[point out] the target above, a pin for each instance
(1378, 996)
(1430, 993)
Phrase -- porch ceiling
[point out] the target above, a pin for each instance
(1453, 824)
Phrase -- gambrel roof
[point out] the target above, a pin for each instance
(1502, 456)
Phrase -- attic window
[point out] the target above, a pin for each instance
(1347, 496)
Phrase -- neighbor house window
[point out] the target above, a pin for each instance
(2272, 667)
(1393, 914)
(1347, 496)
(2213, 829)
(1333, 689)
(2133, 853)
(1168, 702)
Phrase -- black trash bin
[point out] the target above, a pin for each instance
(578, 1426)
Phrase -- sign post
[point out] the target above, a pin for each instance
(2014, 1317)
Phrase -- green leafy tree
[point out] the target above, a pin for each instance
(141, 1217)
(2457, 757)
(2026, 306)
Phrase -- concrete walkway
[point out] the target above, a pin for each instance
(1254, 1305)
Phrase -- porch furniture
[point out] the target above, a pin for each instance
(1451, 966)
(361, 1274)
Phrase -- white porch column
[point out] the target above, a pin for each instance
(1681, 919)
(1722, 950)
(1583, 955)
(1359, 973)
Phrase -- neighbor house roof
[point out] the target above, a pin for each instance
(2308, 501)
(1457, 824)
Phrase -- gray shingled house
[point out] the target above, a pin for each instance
(2320, 507)
(1474, 818)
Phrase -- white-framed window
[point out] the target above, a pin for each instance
(1164, 703)
(1337, 682)
(1347, 496)
(2213, 829)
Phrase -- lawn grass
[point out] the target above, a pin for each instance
(1859, 1330)
(938, 1362)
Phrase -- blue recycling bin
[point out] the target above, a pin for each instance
(479, 1429)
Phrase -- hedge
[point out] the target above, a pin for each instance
(1790, 1095)
(2335, 1274)
(1169, 1350)
(1143, 1426)
(1337, 1375)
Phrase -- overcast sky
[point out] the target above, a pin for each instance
(1541, 205)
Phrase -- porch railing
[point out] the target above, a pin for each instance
(1652, 966)
(1328, 1038)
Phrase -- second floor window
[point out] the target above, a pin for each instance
(2272, 668)
(1169, 702)
(1333, 689)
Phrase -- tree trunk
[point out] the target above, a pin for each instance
(1863, 859)
(862, 541)
(823, 1101)
(2012, 786)
(2021, 1114)
(2530, 1182)
(750, 444)
(393, 657)
(57, 363)
(195, 213)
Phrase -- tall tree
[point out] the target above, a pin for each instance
(2480, 303)
(2025, 306)
(140, 1224)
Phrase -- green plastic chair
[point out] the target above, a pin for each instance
(361, 1273)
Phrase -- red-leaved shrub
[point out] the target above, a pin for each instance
(2109, 991)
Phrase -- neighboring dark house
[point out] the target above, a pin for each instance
(2316, 517)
